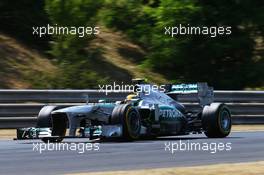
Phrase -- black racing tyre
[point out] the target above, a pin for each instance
(129, 117)
(44, 117)
(59, 127)
(52, 139)
(216, 120)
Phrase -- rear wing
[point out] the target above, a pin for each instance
(205, 94)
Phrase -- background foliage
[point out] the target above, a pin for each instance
(226, 62)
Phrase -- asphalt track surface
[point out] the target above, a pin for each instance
(18, 157)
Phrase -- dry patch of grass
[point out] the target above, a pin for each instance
(248, 128)
(252, 168)
(122, 53)
(7, 133)
(21, 65)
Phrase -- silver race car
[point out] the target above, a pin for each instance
(147, 113)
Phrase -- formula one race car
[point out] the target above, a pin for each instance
(149, 112)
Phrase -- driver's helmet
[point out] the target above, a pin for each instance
(130, 97)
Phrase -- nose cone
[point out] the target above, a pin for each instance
(75, 109)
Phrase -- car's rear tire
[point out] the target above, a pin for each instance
(216, 120)
(129, 117)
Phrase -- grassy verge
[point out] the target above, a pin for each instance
(252, 168)
(7, 133)
(248, 128)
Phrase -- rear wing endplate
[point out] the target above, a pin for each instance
(205, 94)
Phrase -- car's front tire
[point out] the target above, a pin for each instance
(129, 117)
(216, 120)
(58, 126)
(44, 117)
